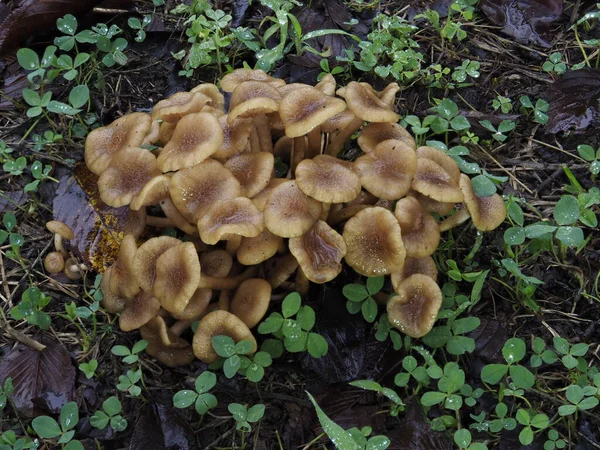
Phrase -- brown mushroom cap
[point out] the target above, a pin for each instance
(152, 193)
(104, 142)
(319, 252)
(414, 309)
(374, 242)
(230, 81)
(306, 108)
(487, 213)
(225, 219)
(54, 262)
(252, 98)
(433, 181)
(260, 200)
(254, 250)
(60, 228)
(129, 171)
(72, 269)
(216, 263)
(328, 179)
(196, 137)
(337, 123)
(387, 172)
(197, 305)
(251, 301)
(420, 231)
(219, 323)
(364, 103)
(177, 277)
(433, 206)
(235, 137)
(195, 189)
(164, 345)
(138, 311)
(217, 100)
(277, 270)
(327, 84)
(289, 212)
(178, 105)
(375, 133)
(445, 161)
(252, 170)
(144, 261)
(123, 281)
(110, 302)
(424, 266)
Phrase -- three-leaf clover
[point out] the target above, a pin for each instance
(109, 415)
(580, 399)
(244, 416)
(360, 297)
(48, 428)
(200, 397)
(530, 421)
(127, 382)
(513, 351)
(130, 356)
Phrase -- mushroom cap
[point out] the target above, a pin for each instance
(135, 222)
(328, 179)
(387, 172)
(289, 212)
(337, 123)
(217, 100)
(197, 305)
(164, 345)
(327, 84)
(144, 260)
(306, 108)
(374, 133)
(216, 263)
(165, 131)
(362, 100)
(487, 213)
(255, 250)
(153, 192)
(235, 137)
(433, 181)
(60, 228)
(71, 269)
(219, 323)
(195, 189)
(420, 231)
(252, 170)
(252, 98)
(196, 137)
(424, 266)
(433, 206)
(388, 95)
(319, 252)
(178, 105)
(177, 277)
(277, 270)
(230, 81)
(225, 219)
(414, 309)
(129, 171)
(104, 142)
(122, 280)
(138, 311)
(54, 262)
(260, 200)
(110, 302)
(251, 301)
(445, 161)
(374, 242)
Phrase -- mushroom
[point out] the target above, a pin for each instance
(375, 133)
(138, 311)
(433, 181)
(61, 231)
(252, 170)
(424, 266)
(414, 309)
(420, 231)
(225, 219)
(487, 213)
(235, 137)
(112, 303)
(123, 282)
(178, 105)
(54, 262)
(165, 345)
(251, 301)
(232, 80)
(146, 256)
(328, 179)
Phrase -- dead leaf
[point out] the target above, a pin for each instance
(528, 21)
(44, 378)
(11, 200)
(574, 100)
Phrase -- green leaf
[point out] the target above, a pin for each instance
(111, 406)
(273, 347)
(224, 346)
(514, 236)
(432, 398)
(239, 412)
(369, 310)
(263, 359)
(69, 416)
(521, 377)
(585, 151)
(244, 347)
(514, 350)
(139, 346)
(355, 292)
(46, 427)
(31, 97)
(67, 24)
(368, 385)
(570, 236)
(62, 108)
(271, 324)
(579, 349)
(574, 394)
(120, 350)
(231, 366)
(566, 210)
(438, 337)
(493, 373)
(74, 445)
(306, 318)
(483, 186)
(462, 438)
(566, 410)
(255, 413)
(375, 284)
(99, 420)
(465, 325)
(340, 437)
(205, 382)
(28, 59)
(378, 443)
(316, 345)
(540, 421)
(79, 96)
(588, 403)
(526, 436)
(537, 230)
(459, 345)
(118, 423)
(255, 373)
(561, 345)
(204, 402)
(291, 304)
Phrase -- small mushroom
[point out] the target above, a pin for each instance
(487, 213)
(122, 280)
(144, 260)
(328, 179)
(420, 231)
(73, 270)
(433, 181)
(375, 133)
(164, 345)
(251, 301)
(54, 262)
(424, 266)
(255, 250)
(61, 231)
(252, 170)
(226, 219)
(138, 311)
(179, 105)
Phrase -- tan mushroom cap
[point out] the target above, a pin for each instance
(290, 212)
(387, 172)
(328, 179)
(420, 231)
(60, 228)
(374, 242)
(375, 133)
(110, 302)
(306, 108)
(129, 171)
(178, 105)
(153, 192)
(251, 301)
(252, 170)
(219, 323)
(225, 219)
(414, 309)
(260, 200)
(445, 161)
(144, 261)
(72, 269)
(337, 123)
(433, 181)
(433, 206)
(196, 137)
(165, 131)
(195, 189)
(412, 266)
(252, 98)
(487, 213)
(177, 277)
(327, 84)
(122, 280)
(388, 95)
(138, 311)
(54, 262)
(216, 263)
(277, 270)
(164, 345)
(255, 250)
(235, 137)
(197, 305)
(362, 100)
(217, 100)
(230, 81)
(319, 252)
(104, 142)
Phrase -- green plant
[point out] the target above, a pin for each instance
(448, 387)
(369, 385)
(592, 156)
(555, 64)
(580, 399)
(532, 423)
(463, 439)
(47, 138)
(30, 308)
(6, 391)
(499, 134)
(538, 110)
(16, 240)
(139, 25)
(245, 416)
(48, 428)
(130, 356)
(89, 368)
(200, 397)
(295, 333)
(446, 118)
(467, 68)
(554, 442)
(109, 415)
(360, 297)
(324, 64)
(513, 352)
(236, 361)
(9, 441)
(128, 382)
(503, 104)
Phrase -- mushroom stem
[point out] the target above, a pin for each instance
(208, 282)
(58, 244)
(159, 222)
(461, 216)
(233, 243)
(337, 217)
(224, 300)
(254, 141)
(314, 143)
(263, 129)
(175, 216)
(180, 326)
(298, 153)
(337, 143)
(325, 212)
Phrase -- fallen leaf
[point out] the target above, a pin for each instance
(573, 100)
(528, 21)
(45, 378)
(11, 200)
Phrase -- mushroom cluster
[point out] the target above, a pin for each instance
(211, 170)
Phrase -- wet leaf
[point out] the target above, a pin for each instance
(414, 433)
(161, 427)
(528, 21)
(340, 437)
(47, 375)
